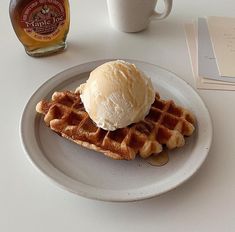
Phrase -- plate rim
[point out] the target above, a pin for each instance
(126, 198)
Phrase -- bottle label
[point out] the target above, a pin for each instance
(43, 19)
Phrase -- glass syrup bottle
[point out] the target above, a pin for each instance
(41, 25)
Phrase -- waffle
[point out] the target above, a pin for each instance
(164, 126)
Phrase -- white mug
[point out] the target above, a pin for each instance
(135, 15)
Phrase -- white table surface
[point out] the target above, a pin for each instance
(30, 202)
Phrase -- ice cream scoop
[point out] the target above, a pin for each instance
(116, 95)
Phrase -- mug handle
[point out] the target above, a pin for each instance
(168, 7)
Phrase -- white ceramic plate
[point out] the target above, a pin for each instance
(91, 174)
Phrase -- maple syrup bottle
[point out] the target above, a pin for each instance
(41, 25)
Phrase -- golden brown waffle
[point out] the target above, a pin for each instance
(165, 125)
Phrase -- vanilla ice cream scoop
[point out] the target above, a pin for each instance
(116, 95)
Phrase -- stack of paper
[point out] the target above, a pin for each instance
(211, 44)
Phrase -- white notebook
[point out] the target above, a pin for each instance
(222, 33)
(207, 66)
